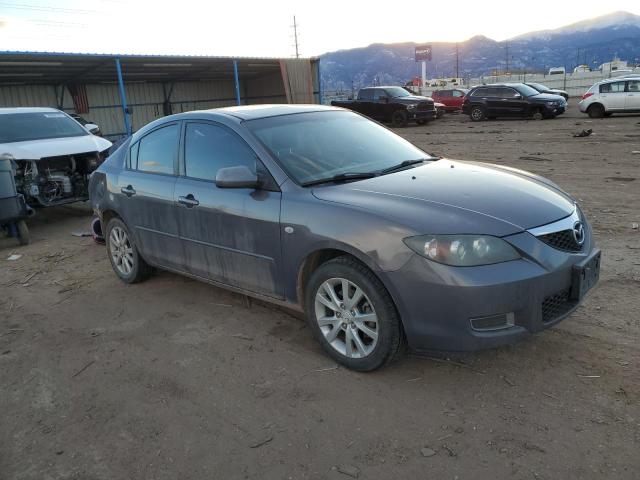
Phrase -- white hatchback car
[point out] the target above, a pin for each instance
(614, 95)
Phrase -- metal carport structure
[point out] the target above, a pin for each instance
(121, 93)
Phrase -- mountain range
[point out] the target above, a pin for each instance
(592, 42)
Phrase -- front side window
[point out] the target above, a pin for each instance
(613, 87)
(457, 94)
(209, 147)
(633, 86)
(508, 93)
(379, 94)
(22, 127)
(397, 92)
(157, 150)
(319, 145)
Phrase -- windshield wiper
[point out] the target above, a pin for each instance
(404, 164)
(342, 177)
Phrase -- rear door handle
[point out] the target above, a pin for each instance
(189, 201)
(128, 190)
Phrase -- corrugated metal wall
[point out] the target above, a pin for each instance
(146, 99)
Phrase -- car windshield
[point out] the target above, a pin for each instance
(396, 92)
(21, 127)
(539, 87)
(526, 90)
(320, 145)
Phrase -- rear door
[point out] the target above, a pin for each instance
(613, 96)
(146, 195)
(229, 235)
(632, 100)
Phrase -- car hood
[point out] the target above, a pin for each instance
(412, 99)
(53, 147)
(453, 197)
(546, 97)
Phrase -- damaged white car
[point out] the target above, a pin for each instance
(53, 154)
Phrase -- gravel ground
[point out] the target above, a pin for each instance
(177, 379)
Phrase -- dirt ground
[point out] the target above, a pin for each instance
(175, 379)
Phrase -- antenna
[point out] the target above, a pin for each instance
(457, 62)
(295, 36)
(506, 45)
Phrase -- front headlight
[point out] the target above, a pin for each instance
(412, 106)
(462, 250)
(552, 103)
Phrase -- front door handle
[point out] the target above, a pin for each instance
(128, 190)
(189, 201)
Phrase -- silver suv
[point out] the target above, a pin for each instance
(614, 95)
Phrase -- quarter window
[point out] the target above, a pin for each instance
(209, 148)
(157, 150)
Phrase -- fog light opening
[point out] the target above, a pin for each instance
(493, 322)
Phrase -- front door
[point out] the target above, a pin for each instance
(145, 194)
(632, 100)
(229, 235)
(514, 102)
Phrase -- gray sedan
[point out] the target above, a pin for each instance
(327, 212)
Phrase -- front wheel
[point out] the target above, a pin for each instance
(352, 315)
(477, 114)
(399, 118)
(123, 253)
(538, 115)
(23, 233)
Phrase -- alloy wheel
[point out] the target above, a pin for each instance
(121, 250)
(346, 318)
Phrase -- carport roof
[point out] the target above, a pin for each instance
(62, 68)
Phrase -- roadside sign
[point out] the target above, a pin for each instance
(423, 53)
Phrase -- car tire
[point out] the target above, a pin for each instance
(123, 253)
(477, 114)
(23, 233)
(596, 111)
(399, 119)
(341, 326)
(537, 115)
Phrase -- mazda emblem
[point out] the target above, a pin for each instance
(578, 233)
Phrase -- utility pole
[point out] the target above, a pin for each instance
(295, 36)
(457, 62)
(506, 45)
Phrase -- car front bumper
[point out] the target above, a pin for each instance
(421, 114)
(438, 303)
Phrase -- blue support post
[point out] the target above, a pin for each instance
(236, 79)
(319, 81)
(123, 98)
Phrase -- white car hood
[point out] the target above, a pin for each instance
(53, 147)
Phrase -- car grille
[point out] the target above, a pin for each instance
(556, 305)
(426, 106)
(562, 240)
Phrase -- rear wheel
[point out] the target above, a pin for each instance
(352, 315)
(477, 114)
(596, 111)
(23, 233)
(123, 253)
(399, 118)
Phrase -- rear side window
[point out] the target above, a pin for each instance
(365, 94)
(633, 86)
(613, 87)
(157, 150)
(208, 148)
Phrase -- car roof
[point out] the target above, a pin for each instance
(252, 112)
(28, 110)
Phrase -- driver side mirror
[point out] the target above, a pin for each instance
(237, 177)
(92, 128)
(517, 96)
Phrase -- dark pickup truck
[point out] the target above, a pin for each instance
(394, 105)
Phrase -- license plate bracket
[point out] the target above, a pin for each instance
(585, 275)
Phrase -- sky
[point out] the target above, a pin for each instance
(264, 28)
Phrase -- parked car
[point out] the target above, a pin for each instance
(54, 155)
(452, 99)
(393, 105)
(327, 212)
(544, 89)
(511, 100)
(614, 95)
